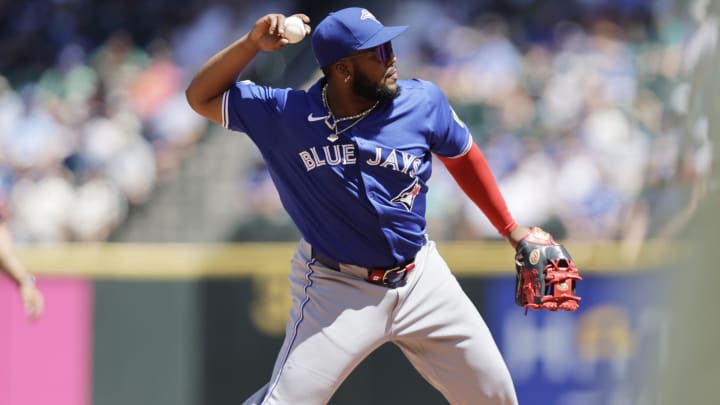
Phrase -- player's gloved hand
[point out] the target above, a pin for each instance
(546, 274)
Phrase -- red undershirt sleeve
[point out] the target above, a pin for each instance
(474, 176)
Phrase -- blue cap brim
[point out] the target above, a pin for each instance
(384, 35)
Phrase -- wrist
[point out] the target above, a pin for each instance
(517, 234)
(508, 229)
(26, 279)
(251, 43)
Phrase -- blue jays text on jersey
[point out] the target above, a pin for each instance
(359, 199)
(345, 154)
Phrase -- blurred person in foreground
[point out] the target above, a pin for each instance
(691, 367)
(9, 263)
(351, 158)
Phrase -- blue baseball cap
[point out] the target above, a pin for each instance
(345, 31)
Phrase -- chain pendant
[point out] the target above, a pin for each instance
(333, 137)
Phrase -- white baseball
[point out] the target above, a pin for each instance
(294, 29)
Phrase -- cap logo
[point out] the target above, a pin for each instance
(366, 15)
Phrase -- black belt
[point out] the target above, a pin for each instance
(389, 277)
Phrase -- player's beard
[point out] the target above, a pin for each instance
(364, 87)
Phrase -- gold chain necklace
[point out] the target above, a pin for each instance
(333, 126)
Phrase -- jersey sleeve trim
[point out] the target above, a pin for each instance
(225, 102)
(465, 151)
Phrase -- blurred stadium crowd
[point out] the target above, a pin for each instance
(583, 108)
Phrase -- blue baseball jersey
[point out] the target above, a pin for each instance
(360, 198)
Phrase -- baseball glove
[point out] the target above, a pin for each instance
(546, 274)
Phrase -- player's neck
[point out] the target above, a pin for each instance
(343, 102)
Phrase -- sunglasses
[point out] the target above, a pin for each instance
(383, 53)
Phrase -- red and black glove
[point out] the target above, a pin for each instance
(546, 274)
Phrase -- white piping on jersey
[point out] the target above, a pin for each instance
(465, 151)
(285, 355)
(226, 97)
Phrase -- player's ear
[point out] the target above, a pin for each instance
(343, 69)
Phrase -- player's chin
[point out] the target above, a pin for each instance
(395, 88)
(390, 86)
(388, 91)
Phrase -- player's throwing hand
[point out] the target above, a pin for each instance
(268, 31)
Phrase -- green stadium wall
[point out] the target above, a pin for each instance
(201, 324)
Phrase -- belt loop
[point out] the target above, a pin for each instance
(324, 260)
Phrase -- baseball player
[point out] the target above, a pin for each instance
(351, 159)
(9, 263)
